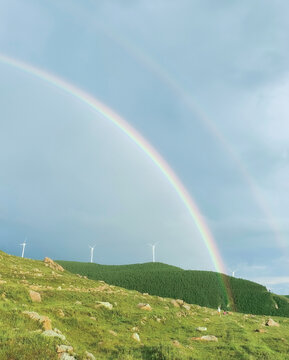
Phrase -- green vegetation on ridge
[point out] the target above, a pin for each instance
(204, 288)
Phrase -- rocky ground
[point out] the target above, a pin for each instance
(48, 313)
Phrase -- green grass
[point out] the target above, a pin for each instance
(88, 327)
(204, 288)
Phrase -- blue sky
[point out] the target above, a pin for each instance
(174, 70)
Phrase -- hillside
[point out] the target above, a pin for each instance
(204, 288)
(90, 320)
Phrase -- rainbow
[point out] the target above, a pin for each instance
(139, 140)
(149, 63)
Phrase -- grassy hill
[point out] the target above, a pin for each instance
(95, 330)
(204, 288)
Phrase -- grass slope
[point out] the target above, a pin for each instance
(204, 288)
(70, 302)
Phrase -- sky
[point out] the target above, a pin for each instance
(205, 82)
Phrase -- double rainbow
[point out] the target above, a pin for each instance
(139, 140)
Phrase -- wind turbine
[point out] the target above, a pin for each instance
(233, 273)
(154, 251)
(23, 247)
(91, 253)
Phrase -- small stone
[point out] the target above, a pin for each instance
(105, 304)
(209, 338)
(78, 303)
(136, 337)
(64, 348)
(180, 302)
(46, 323)
(34, 296)
(65, 356)
(176, 343)
(60, 313)
(52, 333)
(271, 322)
(89, 356)
(112, 332)
(175, 303)
(186, 306)
(146, 307)
(205, 338)
(260, 331)
(33, 315)
(201, 328)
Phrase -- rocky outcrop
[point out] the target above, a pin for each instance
(53, 265)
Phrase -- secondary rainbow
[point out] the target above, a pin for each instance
(139, 140)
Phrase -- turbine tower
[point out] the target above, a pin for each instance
(91, 253)
(153, 251)
(233, 273)
(23, 248)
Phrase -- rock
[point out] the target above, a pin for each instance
(186, 306)
(176, 343)
(112, 332)
(175, 303)
(205, 338)
(209, 338)
(52, 333)
(46, 323)
(33, 315)
(89, 356)
(60, 313)
(105, 304)
(64, 348)
(271, 322)
(34, 296)
(53, 265)
(135, 329)
(44, 320)
(144, 306)
(136, 337)
(65, 356)
(180, 302)
(201, 328)
(78, 303)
